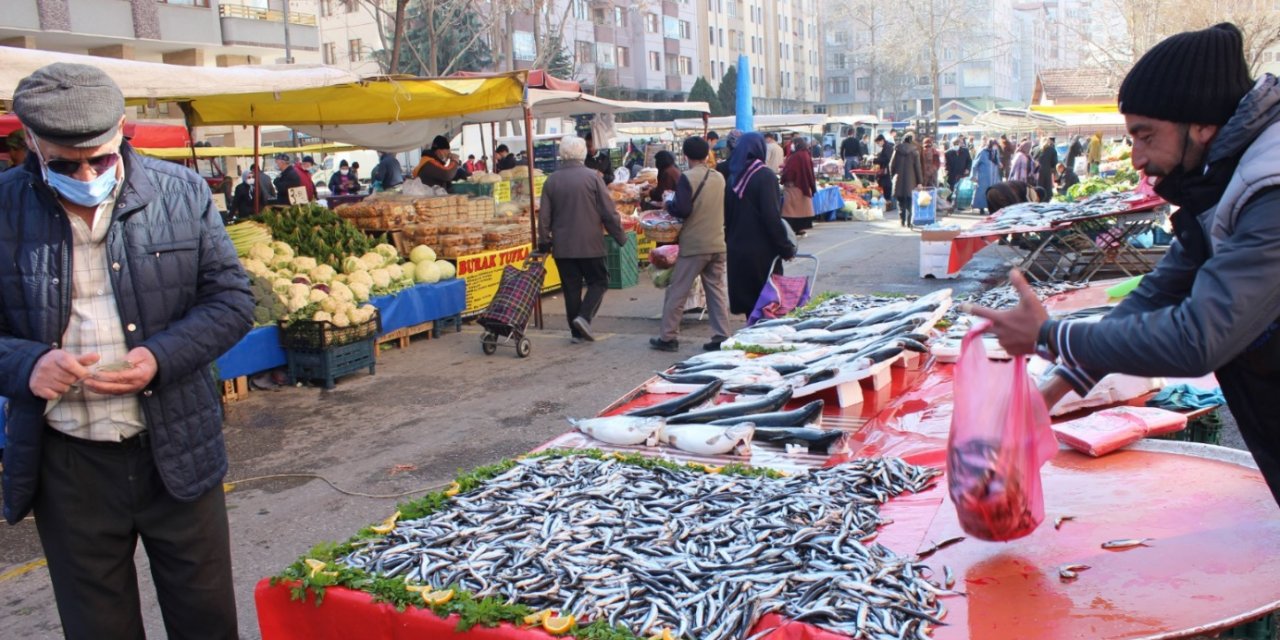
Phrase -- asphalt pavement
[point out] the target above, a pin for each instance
(309, 465)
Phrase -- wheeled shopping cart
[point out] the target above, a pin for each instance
(505, 319)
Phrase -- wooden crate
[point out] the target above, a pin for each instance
(236, 389)
(401, 337)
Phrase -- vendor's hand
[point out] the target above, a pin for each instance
(1018, 327)
(57, 370)
(1053, 390)
(129, 381)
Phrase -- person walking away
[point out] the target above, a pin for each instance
(575, 203)
(986, 172)
(668, 177)
(955, 165)
(1021, 169)
(699, 202)
(1047, 165)
(388, 174)
(931, 161)
(1094, 154)
(798, 187)
(907, 169)
(1006, 156)
(503, 159)
(1066, 178)
(1212, 141)
(342, 183)
(775, 155)
(304, 174)
(1076, 150)
(851, 152)
(883, 179)
(289, 178)
(754, 232)
(438, 166)
(126, 290)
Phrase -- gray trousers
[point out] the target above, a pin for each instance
(95, 501)
(711, 267)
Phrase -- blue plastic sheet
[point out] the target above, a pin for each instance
(827, 200)
(258, 351)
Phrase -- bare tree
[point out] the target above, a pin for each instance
(868, 34)
(951, 33)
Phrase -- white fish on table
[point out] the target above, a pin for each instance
(621, 430)
(706, 439)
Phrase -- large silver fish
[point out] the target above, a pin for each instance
(709, 440)
(621, 430)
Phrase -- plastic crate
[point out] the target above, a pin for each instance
(1206, 429)
(331, 363)
(623, 262)
(484, 189)
(924, 214)
(308, 334)
(1263, 628)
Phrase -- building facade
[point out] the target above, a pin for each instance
(783, 44)
(353, 31)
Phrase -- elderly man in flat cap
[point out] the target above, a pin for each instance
(119, 289)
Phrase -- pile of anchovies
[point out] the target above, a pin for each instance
(850, 302)
(1006, 297)
(701, 555)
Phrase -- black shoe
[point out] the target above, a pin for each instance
(664, 345)
(584, 329)
(714, 345)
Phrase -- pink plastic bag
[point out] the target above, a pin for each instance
(999, 439)
(664, 257)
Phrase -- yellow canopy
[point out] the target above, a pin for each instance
(366, 102)
(182, 153)
(1109, 107)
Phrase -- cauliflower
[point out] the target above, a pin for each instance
(322, 316)
(282, 250)
(341, 320)
(299, 290)
(296, 303)
(359, 291)
(395, 271)
(303, 264)
(281, 285)
(389, 253)
(262, 252)
(381, 278)
(352, 264)
(331, 304)
(361, 277)
(340, 291)
(322, 273)
(254, 267)
(373, 260)
(317, 295)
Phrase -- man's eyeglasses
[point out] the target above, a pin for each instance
(100, 164)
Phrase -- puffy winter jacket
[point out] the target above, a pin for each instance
(181, 294)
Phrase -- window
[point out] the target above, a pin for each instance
(605, 55)
(733, 39)
(619, 17)
(686, 30)
(650, 23)
(742, 42)
(655, 61)
(580, 10)
(355, 50)
(949, 78)
(922, 80)
(863, 83)
(584, 52)
(839, 61)
(598, 17)
(331, 53)
(523, 46)
(686, 66)
(713, 36)
(721, 36)
(839, 86)
(676, 28)
(672, 65)
(947, 53)
(624, 57)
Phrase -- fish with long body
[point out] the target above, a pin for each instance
(621, 430)
(745, 405)
(709, 440)
(691, 400)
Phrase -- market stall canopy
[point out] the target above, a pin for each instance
(1017, 120)
(854, 120)
(777, 121)
(383, 100)
(142, 82)
(538, 79)
(183, 153)
(140, 134)
(411, 133)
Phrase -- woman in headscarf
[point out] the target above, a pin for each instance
(798, 187)
(907, 170)
(986, 172)
(668, 177)
(1021, 169)
(730, 143)
(754, 230)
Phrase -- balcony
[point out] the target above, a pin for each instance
(251, 26)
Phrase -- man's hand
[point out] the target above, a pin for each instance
(1018, 327)
(1053, 390)
(57, 370)
(129, 381)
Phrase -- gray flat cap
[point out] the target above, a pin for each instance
(73, 105)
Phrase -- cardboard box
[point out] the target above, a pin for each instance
(930, 235)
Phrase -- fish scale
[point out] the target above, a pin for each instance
(642, 556)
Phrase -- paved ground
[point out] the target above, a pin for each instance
(433, 409)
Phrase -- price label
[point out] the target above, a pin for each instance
(537, 185)
(502, 192)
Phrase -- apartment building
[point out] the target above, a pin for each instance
(782, 41)
(352, 31)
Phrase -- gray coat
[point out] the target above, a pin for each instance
(176, 279)
(906, 168)
(575, 205)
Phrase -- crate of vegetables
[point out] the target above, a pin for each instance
(324, 334)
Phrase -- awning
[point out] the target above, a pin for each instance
(408, 134)
(144, 81)
(147, 134)
(183, 153)
(1058, 109)
(776, 121)
(1017, 120)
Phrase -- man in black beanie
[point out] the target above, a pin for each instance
(1210, 136)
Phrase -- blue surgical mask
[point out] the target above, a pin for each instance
(85, 194)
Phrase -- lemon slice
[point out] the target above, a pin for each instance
(536, 618)
(314, 565)
(387, 525)
(556, 625)
(665, 635)
(437, 598)
(452, 490)
(417, 588)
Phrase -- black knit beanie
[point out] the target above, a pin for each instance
(1195, 77)
(440, 142)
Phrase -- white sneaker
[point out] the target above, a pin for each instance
(584, 328)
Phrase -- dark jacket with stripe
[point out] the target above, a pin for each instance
(177, 282)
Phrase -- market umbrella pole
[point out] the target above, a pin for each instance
(533, 205)
(257, 188)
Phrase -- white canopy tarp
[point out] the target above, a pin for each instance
(1017, 121)
(142, 81)
(774, 121)
(411, 134)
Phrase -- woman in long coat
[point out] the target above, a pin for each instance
(1047, 164)
(986, 171)
(798, 187)
(931, 160)
(907, 171)
(1021, 169)
(753, 223)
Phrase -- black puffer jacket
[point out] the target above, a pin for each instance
(181, 293)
